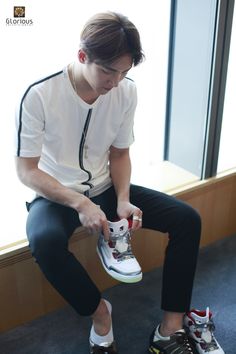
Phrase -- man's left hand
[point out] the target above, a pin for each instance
(127, 210)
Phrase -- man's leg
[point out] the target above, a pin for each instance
(49, 226)
(182, 223)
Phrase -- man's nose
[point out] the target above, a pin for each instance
(116, 79)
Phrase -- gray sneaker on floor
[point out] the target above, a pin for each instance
(104, 348)
(200, 327)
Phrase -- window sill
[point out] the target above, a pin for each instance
(165, 177)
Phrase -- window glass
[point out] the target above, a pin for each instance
(46, 40)
(190, 83)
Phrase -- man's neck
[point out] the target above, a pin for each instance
(80, 85)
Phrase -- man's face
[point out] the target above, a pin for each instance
(102, 78)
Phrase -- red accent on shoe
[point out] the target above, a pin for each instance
(199, 313)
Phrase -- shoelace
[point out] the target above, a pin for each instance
(205, 327)
(183, 340)
(124, 239)
(208, 347)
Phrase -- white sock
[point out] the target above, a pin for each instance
(108, 338)
(158, 336)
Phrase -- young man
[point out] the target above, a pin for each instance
(74, 129)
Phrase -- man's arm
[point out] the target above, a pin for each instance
(120, 170)
(91, 216)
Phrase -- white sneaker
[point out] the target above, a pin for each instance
(199, 326)
(116, 254)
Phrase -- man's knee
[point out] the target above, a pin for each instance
(195, 219)
(188, 218)
(46, 245)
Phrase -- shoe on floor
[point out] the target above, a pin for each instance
(178, 343)
(104, 348)
(116, 254)
(199, 326)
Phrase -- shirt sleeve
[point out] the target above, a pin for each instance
(30, 125)
(125, 136)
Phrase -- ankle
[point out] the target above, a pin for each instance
(102, 327)
(102, 319)
(166, 331)
(172, 322)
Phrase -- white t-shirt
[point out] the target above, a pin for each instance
(72, 137)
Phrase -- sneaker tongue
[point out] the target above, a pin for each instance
(206, 336)
(118, 227)
(121, 246)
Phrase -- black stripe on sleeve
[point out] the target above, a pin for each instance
(21, 107)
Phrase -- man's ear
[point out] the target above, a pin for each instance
(82, 56)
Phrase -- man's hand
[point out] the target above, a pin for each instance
(93, 218)
(90, 215)
(126, 210)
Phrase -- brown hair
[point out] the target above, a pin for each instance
(107, 36)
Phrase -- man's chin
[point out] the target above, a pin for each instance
(104, 90)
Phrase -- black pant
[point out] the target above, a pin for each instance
(50, 225)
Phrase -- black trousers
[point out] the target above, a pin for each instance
(50, 225)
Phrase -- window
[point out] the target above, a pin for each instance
(190, 80)
(198, 69)
(31, 52)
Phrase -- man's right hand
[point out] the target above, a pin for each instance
(90, 214)
(93, 218)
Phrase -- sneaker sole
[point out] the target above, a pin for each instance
(118, 276)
